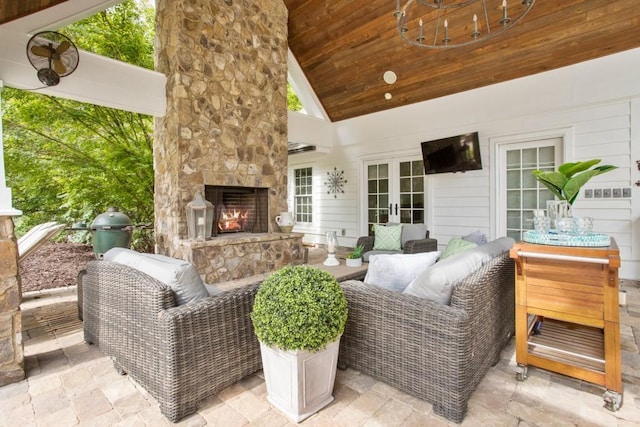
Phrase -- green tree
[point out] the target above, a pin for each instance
(69, 161)
(293, 103)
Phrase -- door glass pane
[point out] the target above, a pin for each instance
(405, 201)
(418, 200)
(372, 171)
(547, 157)
(513, 179)
(417, 185)
(513, 159)
(528, 179)
(405, 185)
(530, 157)
(405, 168)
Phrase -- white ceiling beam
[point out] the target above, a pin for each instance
(97, 80)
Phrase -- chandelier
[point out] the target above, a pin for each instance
(442, 24)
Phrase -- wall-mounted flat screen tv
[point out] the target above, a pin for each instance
(453, 154)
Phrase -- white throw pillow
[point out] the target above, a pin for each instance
(396, 271)
(436, 283)
(178, 274)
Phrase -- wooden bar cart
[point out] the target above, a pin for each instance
(567, 314)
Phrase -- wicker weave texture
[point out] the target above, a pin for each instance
(180, 355)
(410, 247)
(435, 352)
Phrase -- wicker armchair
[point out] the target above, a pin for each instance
(181, 355)
(435, 352)
(409, 246)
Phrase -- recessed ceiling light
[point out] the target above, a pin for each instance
(388, 95)
(390, 77)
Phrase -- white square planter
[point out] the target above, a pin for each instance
(300, 383)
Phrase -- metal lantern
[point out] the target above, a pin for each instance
(199, 218)
(332, 247)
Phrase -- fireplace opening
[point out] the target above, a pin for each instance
(238, 209)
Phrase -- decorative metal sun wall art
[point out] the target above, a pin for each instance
(335, 182)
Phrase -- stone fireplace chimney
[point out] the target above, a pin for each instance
(226, 120)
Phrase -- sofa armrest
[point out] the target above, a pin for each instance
(405, 341)
(367, 242)
(118, 301)
(211, 343)
(419, 246)
(488, 295)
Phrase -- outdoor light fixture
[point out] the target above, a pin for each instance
(332, 247)
(199, 218)
(441, 24)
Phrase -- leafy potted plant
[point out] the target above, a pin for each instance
(354, 258)
(565, 183)
(299, 315)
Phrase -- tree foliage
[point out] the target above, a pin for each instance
(293, 103)
(68, 161)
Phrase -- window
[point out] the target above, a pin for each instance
(303, 197)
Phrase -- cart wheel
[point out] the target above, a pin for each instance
(612, 400)
(521, 373)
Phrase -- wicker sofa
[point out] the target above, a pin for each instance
(436, 352)
(182, 354)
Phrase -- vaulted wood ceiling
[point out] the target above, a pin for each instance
(345, 46)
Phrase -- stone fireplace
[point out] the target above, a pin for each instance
(225, 129)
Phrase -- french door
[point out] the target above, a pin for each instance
(395, 192)
(520, 193)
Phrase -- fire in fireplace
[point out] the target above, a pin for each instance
(233, 220)
(239, 209)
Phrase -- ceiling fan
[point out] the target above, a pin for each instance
(53, 54)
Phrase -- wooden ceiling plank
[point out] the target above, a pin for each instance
(10, 10)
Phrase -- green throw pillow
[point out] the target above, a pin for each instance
(455, 246)
(387, 238)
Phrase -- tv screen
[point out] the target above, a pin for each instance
(453, 154)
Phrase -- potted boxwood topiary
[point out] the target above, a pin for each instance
(354, 258)
(299, 315)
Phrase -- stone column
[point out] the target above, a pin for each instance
(11, 347)
(226, 119)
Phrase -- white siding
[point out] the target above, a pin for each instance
(599, 116)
